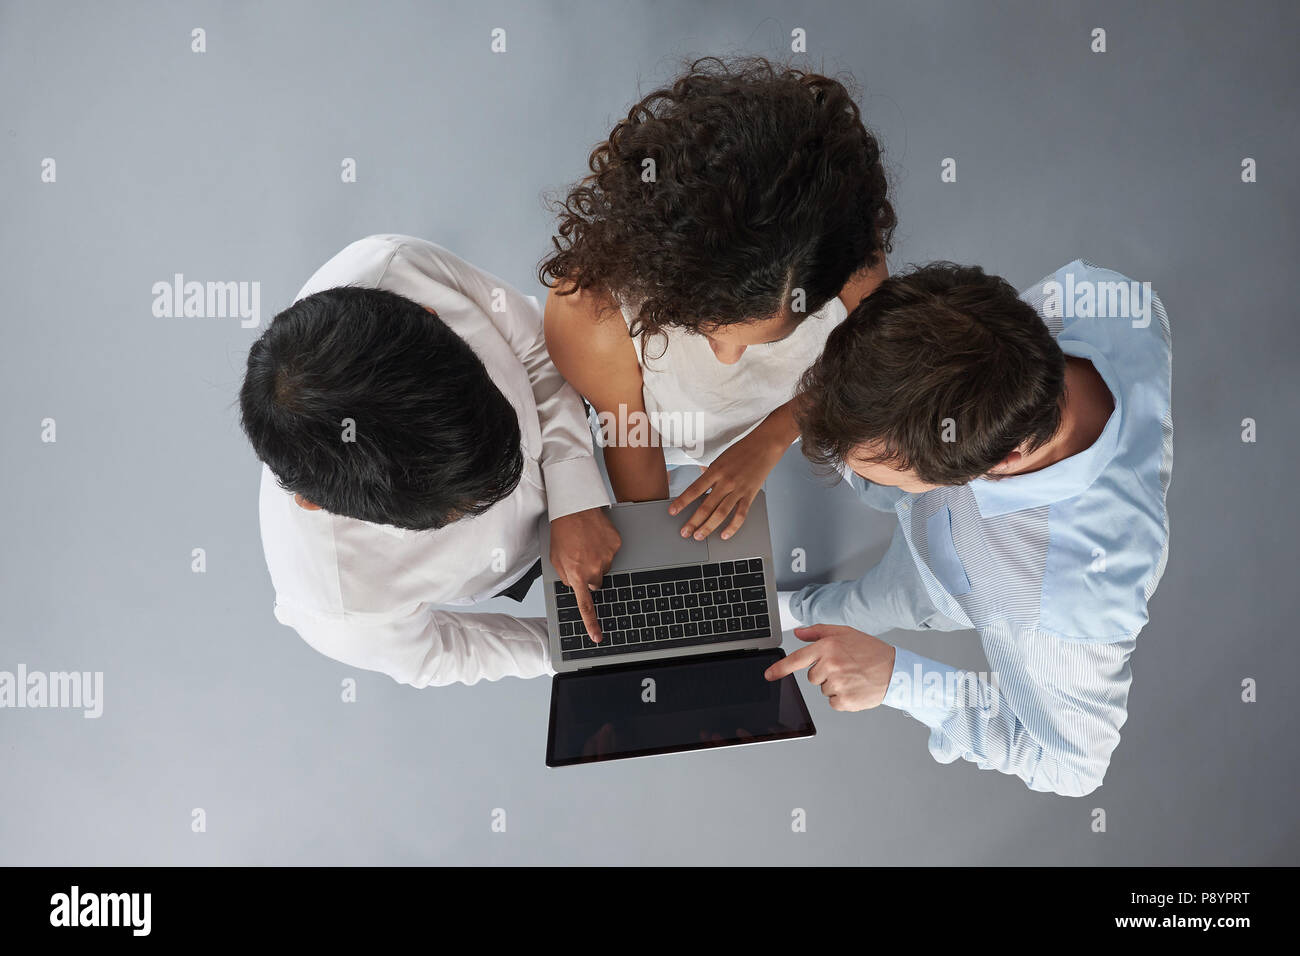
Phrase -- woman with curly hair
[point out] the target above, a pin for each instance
(728, 224)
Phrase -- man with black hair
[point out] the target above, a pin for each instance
(1024, 443)
(413, 431)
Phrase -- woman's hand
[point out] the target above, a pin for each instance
(735, 477)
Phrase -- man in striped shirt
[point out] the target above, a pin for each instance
(1025, 444)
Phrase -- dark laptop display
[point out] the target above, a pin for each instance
(669, 706)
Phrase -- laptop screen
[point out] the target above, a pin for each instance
(658, 707)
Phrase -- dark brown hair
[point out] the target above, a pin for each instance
(941, 342)
(766, 181)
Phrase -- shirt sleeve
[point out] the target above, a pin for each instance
(1049, 711)
(425, 647)
(569, 470)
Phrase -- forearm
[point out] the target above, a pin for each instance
(637, 473)
(428, 647)
(1054, 730)
(780, 426)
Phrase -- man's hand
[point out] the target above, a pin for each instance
(583, 545)
(735, 477)
(852, 668)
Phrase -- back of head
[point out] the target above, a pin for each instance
(366, 404)
(943, 371)
(720, 195)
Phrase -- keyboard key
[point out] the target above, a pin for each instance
(661, 633)
(733, 596)
(629, 637)
(697, 585)
(620, 608)
(691, 630)
(625, 594)
(710, 584)
(748, 623)
(638, 620)
(705, 627)
(692, 600)
(726, 567)
(679, 641)
(570, 643)
(616, 638)
(681, 617)
(569, 614)
(652, 619)
(652, 590)
(696, 614)
(638, 592)
(710, 613)
(678, 602)
(675, 631)
(621, 581)
(756, 607)
(624, 623)
(747, 581)
(562, 588)
(566, 600)
(568, 628)
(761, 620)
(663, 604)
(724, 611)
(667, 589)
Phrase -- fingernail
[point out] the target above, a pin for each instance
(699, 536)
(726, 535)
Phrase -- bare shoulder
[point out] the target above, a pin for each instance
(589, 341)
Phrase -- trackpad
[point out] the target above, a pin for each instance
(652, 537)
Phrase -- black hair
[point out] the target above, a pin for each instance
(432, 438)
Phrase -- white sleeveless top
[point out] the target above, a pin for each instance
(700, 406)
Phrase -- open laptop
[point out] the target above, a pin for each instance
(688, 629)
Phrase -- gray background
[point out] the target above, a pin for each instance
(225, 166)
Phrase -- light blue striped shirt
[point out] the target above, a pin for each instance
(1053, 568)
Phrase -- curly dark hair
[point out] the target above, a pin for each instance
(765, 181)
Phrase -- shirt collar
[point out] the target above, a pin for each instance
(1064, 479)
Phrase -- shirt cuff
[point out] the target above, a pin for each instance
(923, 688)
(573, 485)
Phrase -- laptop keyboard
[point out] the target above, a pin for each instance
(668, 607)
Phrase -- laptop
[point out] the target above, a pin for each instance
(688, 629)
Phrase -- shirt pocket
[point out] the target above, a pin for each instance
(945, 564)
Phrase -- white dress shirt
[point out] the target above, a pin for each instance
(366, 594)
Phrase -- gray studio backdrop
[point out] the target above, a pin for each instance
(225, 166)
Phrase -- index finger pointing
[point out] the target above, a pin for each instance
(587, 608)
(803, 657)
